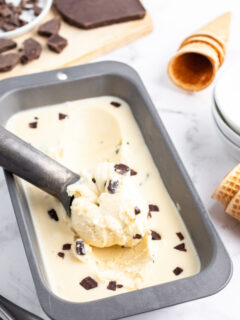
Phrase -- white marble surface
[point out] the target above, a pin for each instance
(188, 119)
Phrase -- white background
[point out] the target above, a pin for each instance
(188, 119)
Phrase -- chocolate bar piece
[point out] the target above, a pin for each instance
(49, 28)
(7, 44)
(8, 61)
(89, 14)
(57, 43)
(31, 50)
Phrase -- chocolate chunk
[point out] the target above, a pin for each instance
(66, 246)
(149, 215)
(119, 286)
(112, 285)
(116, 104)
(5, 11)
(7, 44)
(137, 210)
(37, 10)
(57, 43)
(8, 27)
(31, 50)
(53, 214)
(91, 14)
(94, 180)
(180, 235)
(137, 236)
(8, 61)
(80, 247)
(88, 283)
(61, 254)
(155, 235)
(14, 20)
(181, 247)
(112, 186)
(177, 271)
(49, 28)
(61, 116)
(121, 168)
(33, 125)
(153, 207)
(133, 172)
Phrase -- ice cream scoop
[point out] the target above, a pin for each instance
(28, 163)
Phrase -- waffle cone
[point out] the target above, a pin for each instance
(213, 43)
(233, 208)
(194, 66)
(228, 188)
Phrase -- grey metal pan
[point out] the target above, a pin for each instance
(111, 78)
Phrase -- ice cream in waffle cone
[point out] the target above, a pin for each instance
(200, 55)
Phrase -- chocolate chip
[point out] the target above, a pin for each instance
(57, 43)
(180, 235)
(62, 116)
(88, 283)
(8, 61)
(36, 118)
(137, 236)
(121, 168)
(112, 186)
(80, 248)
(31, 50)
(153, 207)
(61, 254)
(93, 180)
(7, 44)
(181, 247)
(137, 210)
(133, 172)
(155, 235)
(66, 246)
(112, 285)
(37, 10)
(50, 27)
(119, 286)
(116, 104)
(177, 271)
(53, 214)
(33, 125)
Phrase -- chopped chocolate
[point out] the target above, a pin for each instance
(33, 125)
(153, 207)
(50, 27)
(137, 236)
(121, 168)
(88, 283)
(62, 116)
(93, 180)
(31, 50)
(119, 286)
(61, 254)
(66, 246)
(53, 214)
(137, 210)
(177, 271)
(80, 247)
(88, 14)
(116, 104)
(5, 11)
(133, 172)
(37, 10)
(180, 235)
(112, 186)
(7, 44)
(112, 285)
(57, 43)
(155, 235)
(8, 61)
(8, 27)
(181, 247)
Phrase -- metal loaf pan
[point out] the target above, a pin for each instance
(117, 79)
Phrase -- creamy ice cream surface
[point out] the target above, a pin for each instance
(108, 208)
(125, 232)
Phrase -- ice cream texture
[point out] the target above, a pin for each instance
(125, 232)
(108, 208)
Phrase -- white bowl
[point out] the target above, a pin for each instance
(45, 5)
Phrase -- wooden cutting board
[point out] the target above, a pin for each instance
(83, 45)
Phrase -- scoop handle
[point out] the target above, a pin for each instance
(20, 158)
